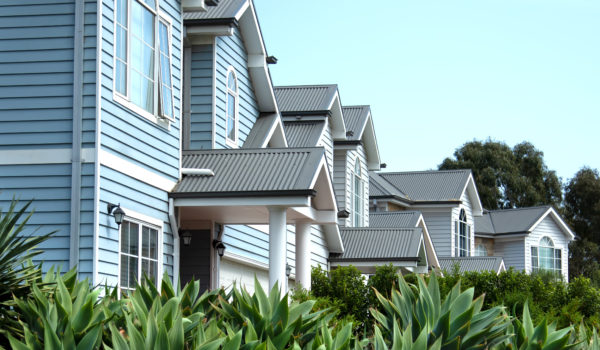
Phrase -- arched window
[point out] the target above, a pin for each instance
(546, 257)
(357, 190)
(232, 106)
(481, 250)
(462, 236)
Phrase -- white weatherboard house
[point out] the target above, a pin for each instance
(164, 111)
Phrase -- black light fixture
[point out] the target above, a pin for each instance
(117, 212)
(187, 237)
(288, 270)
(219, 246)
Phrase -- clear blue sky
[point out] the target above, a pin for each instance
(440, 73)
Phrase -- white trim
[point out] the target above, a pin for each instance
(564, 228)
(214, 92)
(285, 201)
(236, 100)
(214, 30)
(198, 172)
(44, 156)
(476, 206)
(135, 171)
(176, 245)
(245, 261)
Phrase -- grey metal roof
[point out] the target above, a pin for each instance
(378, 187)
(304, 98)
(260, 131)
(355, 118)
(265, 171)
(303, 133)
(435, 185)
(472, 263)
(224, 10)
(394, 219)
(508, 221)
(383, 244)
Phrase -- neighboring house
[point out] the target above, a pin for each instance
(529, 239)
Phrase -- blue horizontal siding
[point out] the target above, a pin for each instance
(247, 241)
(201, 97)
(230, 51)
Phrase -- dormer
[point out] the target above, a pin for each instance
(227, 85)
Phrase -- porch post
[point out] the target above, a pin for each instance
(303, 254)
(277, 247)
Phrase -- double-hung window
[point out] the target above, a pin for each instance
(138, 253)
(546, 257)
(357, 191)
(462, 234)
(142, 74)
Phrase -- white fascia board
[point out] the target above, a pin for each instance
(429, 247)
(374, 263)
(245, 261)
(345, 147)
(283, 201)
(561, 224)
(44, 156)
(476, 206)
(334, 238)
(501, 268)
(193, 5)
(338, 127)
(370, 142)
(277, 134)
(317, 216)
(203, 31)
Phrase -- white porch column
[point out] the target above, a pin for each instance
(277, 247)
(303, 254)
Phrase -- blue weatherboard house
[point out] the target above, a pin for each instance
(150, 136)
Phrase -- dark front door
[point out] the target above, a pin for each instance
(195, 259)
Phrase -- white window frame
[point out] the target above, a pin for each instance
(555, 261)
(459, 225)
(357, 193)
(124, 99)
(142, 220)
(236, 95)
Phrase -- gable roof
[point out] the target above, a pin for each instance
(265, 171)
(303, 133)
(380, 188)
(517, 221)
(380, 244)
(355, 118)
(473, 263)
(305, 98)
(443, 185)
(267, 130)
(394, 219)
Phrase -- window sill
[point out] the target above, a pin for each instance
(231, 143)
(123, 101)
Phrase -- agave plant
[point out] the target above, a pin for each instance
(417, 315)
(69, 316)
(17, 274)
(524, 335)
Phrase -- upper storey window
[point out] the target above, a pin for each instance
(357, 200)
(462, 233)
(142, 75)
(232, 106)
(546, 257)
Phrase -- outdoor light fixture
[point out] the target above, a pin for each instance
(288, 270)
(117, 212)
(219, 246)
(187, 237)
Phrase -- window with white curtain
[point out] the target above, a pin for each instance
(546, 257)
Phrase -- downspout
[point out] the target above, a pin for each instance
(77, 126)
(176, 247)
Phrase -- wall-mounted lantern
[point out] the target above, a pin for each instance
(288, 270)
(187, 238)
(117, 212)
(219, 246)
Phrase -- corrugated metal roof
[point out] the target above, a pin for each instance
(366, 243)
(355, 118)
(378, 187)
(249, 170)
(260, 131)
(225, 9)
(304, 98)
(394, 219)
(303, 133)
(435, 185)
(472, 263)
(508, 221)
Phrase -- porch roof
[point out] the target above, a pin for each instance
(380, 244)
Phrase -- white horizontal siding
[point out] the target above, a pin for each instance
(439, 223)
(513, 253)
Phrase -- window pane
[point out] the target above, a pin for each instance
(153, 244)
(164, 38)
(133, 238)
(230, 116)
(148, 27)
(121, 78)
(151, 3)
(136, 19)
(125, 237)
(136, 88)
(147, 95)
(122, 12)
(124, 271)
(231, 83)
(133, 271)
(121, 43)
(145, 241)
(148, 61)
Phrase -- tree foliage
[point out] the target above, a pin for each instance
(505, 177)
(582, 211)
